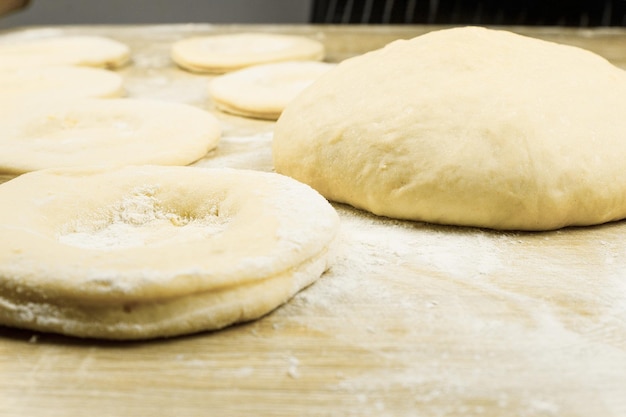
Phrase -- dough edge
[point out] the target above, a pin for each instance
(193, 313)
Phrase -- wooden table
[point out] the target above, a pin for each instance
(413, 320)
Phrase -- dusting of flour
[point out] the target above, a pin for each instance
(448, 314)
(139, 220)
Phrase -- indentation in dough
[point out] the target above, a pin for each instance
(141, 220)
(78, 126)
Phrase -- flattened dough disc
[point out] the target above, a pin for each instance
(466, 126)
(103, 131)
(263, 91)
(59, 83)
(223, 53)
(92, 51)
(152, 251)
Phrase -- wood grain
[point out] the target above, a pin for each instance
(413, 319)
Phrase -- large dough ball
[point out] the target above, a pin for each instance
(465, 126)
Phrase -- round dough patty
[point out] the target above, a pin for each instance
(151, 251)
(54, 134)
(93, 51)
(263, 91)
(223, 53)
(466, 126)
(59, 82)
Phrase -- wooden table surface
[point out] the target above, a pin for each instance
(412, 320)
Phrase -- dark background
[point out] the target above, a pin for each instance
(581, 13)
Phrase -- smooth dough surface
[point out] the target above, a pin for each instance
(151, 251)
(263, 91)
(62, 82)
(52, 134)
(223, 53)
(466, 126)
(93, 51)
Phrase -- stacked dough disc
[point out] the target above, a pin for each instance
(264, 71)
(263, 91)
(101, 239)
(60, 82)
(141, 252)
(53, 116)
(112, 131)
(93, 51)
(223, 53)
(61, 67)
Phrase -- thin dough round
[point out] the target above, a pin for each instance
(466, 126)
(153, 251)
(54, 134)
(59, 82)
(263, 91)
(92, 51)
(223, 53)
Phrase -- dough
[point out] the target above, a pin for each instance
(52, 134)
(263, 91)
(466, 126)
(223, 53)
(93, 51)
(59, 82)
(150, 251)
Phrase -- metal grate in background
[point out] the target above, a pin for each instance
(581, 13)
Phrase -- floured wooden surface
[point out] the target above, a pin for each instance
(413, 319)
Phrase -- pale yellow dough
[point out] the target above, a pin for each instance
(51, 134)
(223, 53)
(151, 251)
(93, 51)
(466, 126)
(263, 91)
(59, 83)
